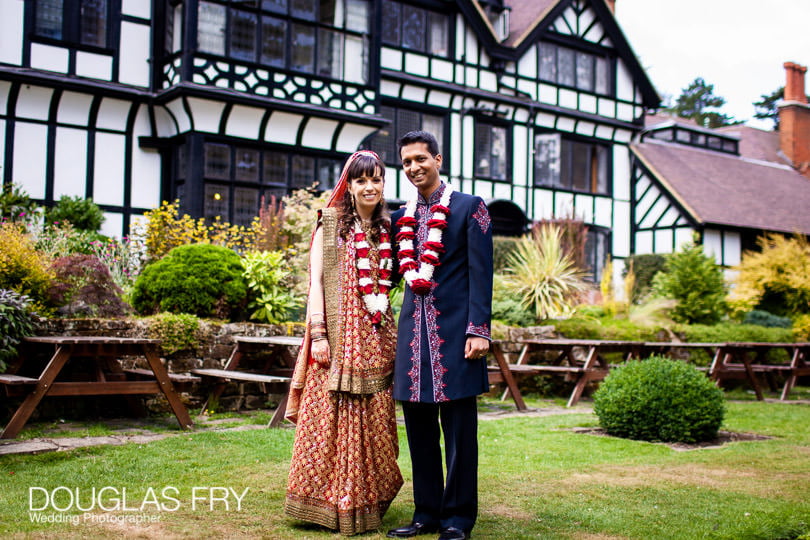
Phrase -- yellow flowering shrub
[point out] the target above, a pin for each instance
(22, 267)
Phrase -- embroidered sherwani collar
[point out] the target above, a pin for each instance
(434, 197)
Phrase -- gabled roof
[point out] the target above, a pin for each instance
(717, 188)
(530, 19)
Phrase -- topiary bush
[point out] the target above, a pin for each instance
(199, 279)
(659, 399)
(16, 322)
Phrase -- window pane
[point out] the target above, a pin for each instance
(303, 172)
(356, 48)
(390, 22)
(581, 166)
(602, 76)
(438, 33)
(547, 159)
(565, 66)
(216, 201)
(408, 121)
(413, 28)
(245, 205)
(274, 36)
(177, 28)
(584, 71)
(548, 62)
(434, 124)
(357, 15)
(490, 151)
(93, 22)
(303, 48)
(566, 161)
(601, 153)
(305, 9)
(330, 59)
(277, 6)
(483, 143)
(328, 173)
(275, 168)
(211, 28)
(498, 153)
(49, 19)
(243, 35)
(384, 141)
(217, 161)
(181, 161)
(247, 165)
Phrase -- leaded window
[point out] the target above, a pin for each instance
(491, 145)
(597, 249)
(80, 22)
(384, 142)
(327, 37)
(415, 28)
(571, 164)
(583, 70)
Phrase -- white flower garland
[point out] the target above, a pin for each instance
(376, 303)
(419, 275)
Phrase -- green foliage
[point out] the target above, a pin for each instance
(645, 267)
(123, 258)
(502, 246)
(719, 333)
(200, 279)
(15, 204)
(659, 399)
(545, 278)
(507, 306)
(801, 328)
(63, 239)
(763, 318)
(775, 279)
(573, 237)
(611, 328)
(16, 322)
(698, 102)
(83, 286)
(82, 213)
(176, 331)
(22, 267)
(270, 296)
(696, 282)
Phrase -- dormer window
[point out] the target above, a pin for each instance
(498, 16)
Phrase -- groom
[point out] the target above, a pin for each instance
(444, 251)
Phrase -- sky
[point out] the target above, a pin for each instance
(739, 46)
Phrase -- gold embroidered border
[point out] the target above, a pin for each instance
(348, 522)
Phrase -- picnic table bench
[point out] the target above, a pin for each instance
(270, 372)
(105, 375)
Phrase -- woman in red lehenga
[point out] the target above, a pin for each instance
(344, 472)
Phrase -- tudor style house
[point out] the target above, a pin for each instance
(539, 107)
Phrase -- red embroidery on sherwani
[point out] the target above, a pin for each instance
(482, 217)
(478, 329)
(416, 348)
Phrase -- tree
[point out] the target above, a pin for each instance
(697, 101)
(768, 108)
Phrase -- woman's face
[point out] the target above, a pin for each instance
(367, 191)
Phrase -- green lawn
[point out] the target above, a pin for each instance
(538, 479)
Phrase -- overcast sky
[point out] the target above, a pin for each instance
(739, 46)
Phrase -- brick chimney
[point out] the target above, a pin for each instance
(794, 119)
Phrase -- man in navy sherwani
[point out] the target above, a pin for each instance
(444, 252)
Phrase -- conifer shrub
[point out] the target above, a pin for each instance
(199, 279)
(696, 281)
(766, 319)
(659, 399)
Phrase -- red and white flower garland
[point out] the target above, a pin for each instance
(376, 303)
(419, 275)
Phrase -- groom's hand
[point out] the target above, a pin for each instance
(476, 347)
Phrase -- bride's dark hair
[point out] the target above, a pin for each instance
(363, 165)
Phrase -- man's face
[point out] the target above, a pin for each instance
(421, 168)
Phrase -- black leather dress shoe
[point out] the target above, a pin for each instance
(413, 529)
(453, 533)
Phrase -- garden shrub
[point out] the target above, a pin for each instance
(801, 328)
(15, 204)
(659, 399)
(763, 318)
(63, 239)
(507, 306)
(696, 282)
(609, 328)
(199, 279)
(16, 322)
(727, 331)
(776, 279)
(176, 331)
(83, 286)
(644, 267)
(22, 267)
(82, 213)
(269, 294)
(502, 246)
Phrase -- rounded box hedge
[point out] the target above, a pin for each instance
(659, 399)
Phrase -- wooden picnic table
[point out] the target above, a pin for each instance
(594, 367)
(106, 376)
(271, 371)
(747, 359)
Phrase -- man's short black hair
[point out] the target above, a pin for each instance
(417, 137)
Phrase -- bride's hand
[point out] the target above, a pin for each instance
(320, 352)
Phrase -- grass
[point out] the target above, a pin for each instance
(538, 479)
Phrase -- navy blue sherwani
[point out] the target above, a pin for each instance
(431, 376)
